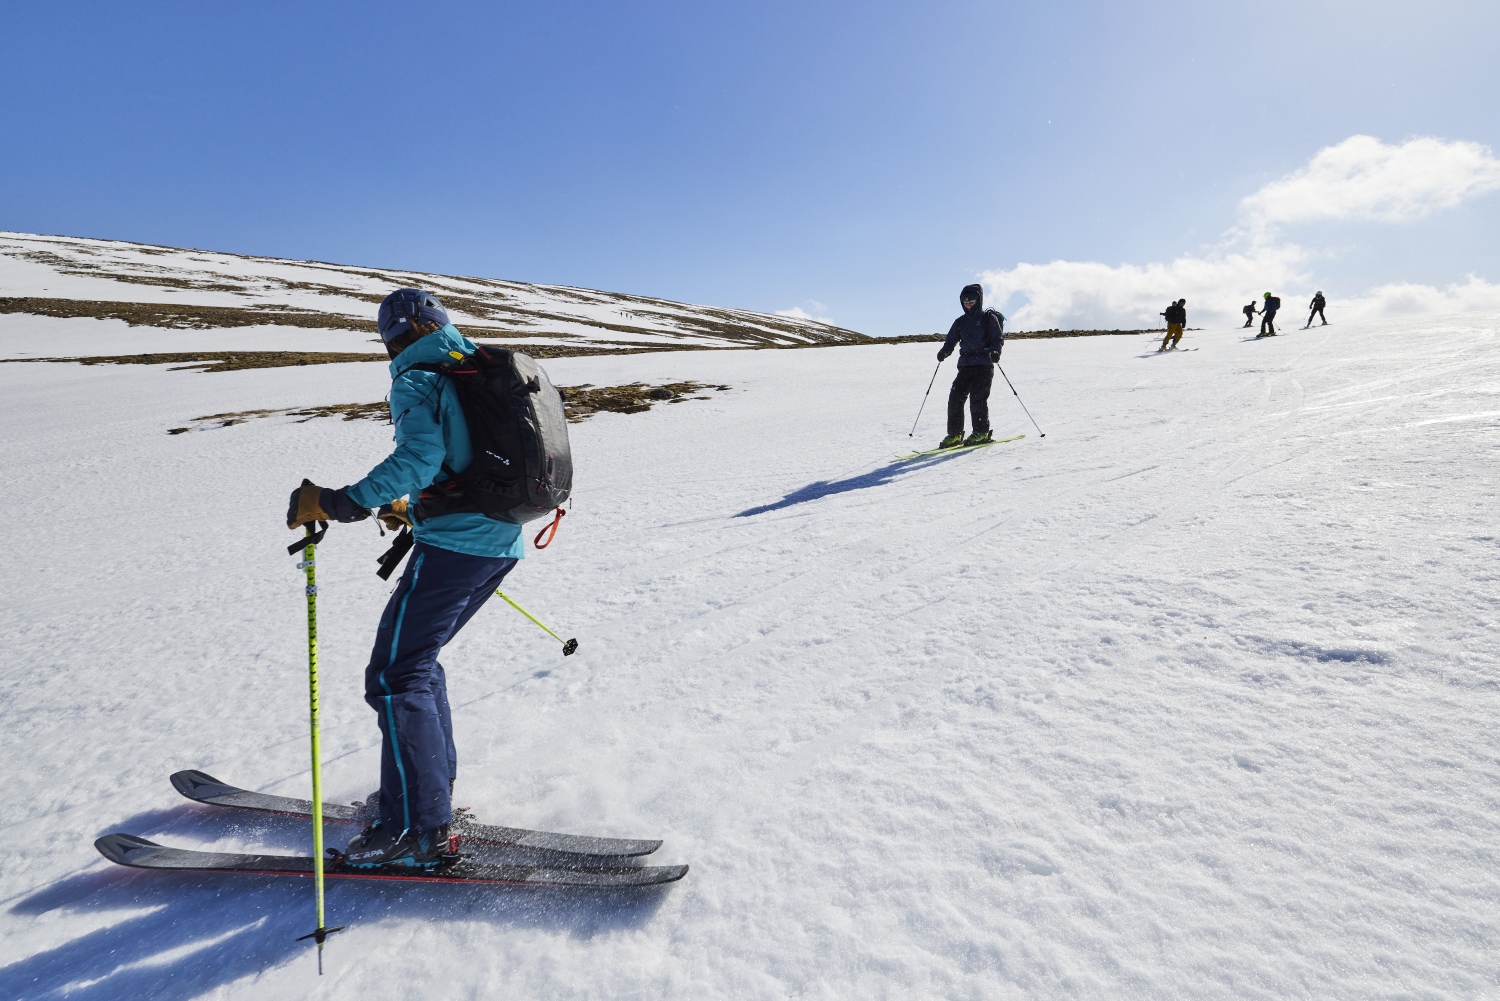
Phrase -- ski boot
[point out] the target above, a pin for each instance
(952, 441)
(367, 812)
(378, 846)
(979, 438)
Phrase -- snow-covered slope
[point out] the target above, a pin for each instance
(240, 291)
(1193, 698)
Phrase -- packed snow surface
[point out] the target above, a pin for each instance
(1194, 697)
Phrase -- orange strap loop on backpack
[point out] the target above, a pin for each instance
(549, 530)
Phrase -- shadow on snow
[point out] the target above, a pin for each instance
(827, 488)
(185, 934)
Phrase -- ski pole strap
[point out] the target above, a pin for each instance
(550, 531)
(310, 539)
(394, 555)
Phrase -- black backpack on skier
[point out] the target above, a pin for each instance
(522, 467)
(999, 318)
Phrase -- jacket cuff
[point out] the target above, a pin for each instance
(363, 494)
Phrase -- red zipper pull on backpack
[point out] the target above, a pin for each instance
(549, 530)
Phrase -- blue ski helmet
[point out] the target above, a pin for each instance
(407, 304)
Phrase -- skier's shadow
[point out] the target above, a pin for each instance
(827, 488)
(186, 934)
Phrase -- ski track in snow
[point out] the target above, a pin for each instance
(1191, 698)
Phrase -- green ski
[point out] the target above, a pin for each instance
(956, 448)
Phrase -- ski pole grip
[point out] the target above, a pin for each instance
(549, 530)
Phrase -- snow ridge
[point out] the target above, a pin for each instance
(275, 291)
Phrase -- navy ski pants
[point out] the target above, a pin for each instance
(973, 384)
(404, 683)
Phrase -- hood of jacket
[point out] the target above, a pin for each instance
(975, 292)
(437, 348)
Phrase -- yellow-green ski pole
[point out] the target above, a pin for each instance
(308, 551)
(568, 645)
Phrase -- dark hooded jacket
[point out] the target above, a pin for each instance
(976, 332)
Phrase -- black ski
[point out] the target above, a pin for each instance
(127, 849)
(204, 788)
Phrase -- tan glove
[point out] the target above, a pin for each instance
(395, 515)
(305, 505)
(311, 502)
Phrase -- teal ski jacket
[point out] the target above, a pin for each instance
(430, 431)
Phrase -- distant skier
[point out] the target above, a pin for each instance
(1317, 304)
(1268, 316)
(1249, 312)
(457, 562)
(981, 338)
(1176, 315)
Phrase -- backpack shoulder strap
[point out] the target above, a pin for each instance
(478, 358)
(441, 385)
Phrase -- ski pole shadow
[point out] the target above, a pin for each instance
(864, 481)
(182, 935)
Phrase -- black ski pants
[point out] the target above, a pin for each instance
(1319, 314)
(1268, 322)
(973, 384)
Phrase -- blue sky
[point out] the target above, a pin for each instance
(856, 161)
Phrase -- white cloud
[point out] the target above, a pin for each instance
(798, 313)
(1406, 299)
(1080, 295)
(1360, 178)
(1363, 178)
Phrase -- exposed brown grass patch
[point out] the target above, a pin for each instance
(222, 361)
(175, 317)
(580, 402)
(378, 411)
(236, 361)
(585, 401)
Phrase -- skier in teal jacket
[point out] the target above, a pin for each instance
(458, 561)
(430, 432)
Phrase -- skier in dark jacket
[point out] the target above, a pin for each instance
(1317, 304)
(979, 338)
(1249, 312)
(457, 562)
(1268, 316)
(1176, 317)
